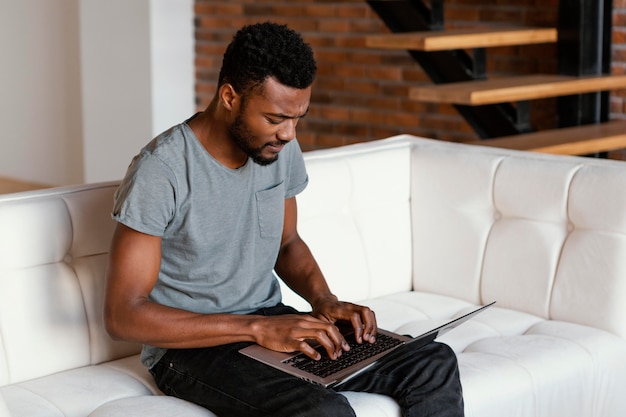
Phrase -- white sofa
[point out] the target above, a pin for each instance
(420, 230)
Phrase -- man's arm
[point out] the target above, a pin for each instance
(298, 268)
(132, 272)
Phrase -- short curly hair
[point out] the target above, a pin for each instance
(265, 50)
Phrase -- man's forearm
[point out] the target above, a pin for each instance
(297, 267)
(157, 325)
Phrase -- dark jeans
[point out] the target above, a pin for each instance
(424, 381)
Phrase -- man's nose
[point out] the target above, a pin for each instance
(288, 130)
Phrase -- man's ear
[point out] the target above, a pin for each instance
(229, 97)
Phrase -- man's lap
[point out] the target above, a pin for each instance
(231, 384)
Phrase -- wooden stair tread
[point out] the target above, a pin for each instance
(575, 140)
(511, 89)
(462, 38)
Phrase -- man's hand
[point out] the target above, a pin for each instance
(295, 332)
(362, 318)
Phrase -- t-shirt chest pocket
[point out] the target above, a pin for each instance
(271, 211)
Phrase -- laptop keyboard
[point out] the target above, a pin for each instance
(357, 353)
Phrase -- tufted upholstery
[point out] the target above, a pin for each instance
(420, 230)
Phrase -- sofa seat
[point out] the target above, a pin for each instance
(517, 356)
(143, 406)
(74, 392)
(503, 344)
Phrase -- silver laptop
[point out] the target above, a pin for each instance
(327, 372)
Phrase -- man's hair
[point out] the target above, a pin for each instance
(265, 50)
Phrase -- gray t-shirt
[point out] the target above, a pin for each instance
(221, 228)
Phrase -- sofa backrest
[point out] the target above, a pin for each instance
(543, 234)
(355, 216)
(53, 252)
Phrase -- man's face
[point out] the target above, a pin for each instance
(267, 120)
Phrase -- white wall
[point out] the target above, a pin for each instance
(85, 83)
(40, 110)
(172, 61)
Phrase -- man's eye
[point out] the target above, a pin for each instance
(274, 121)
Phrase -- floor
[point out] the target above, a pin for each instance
(12, 185)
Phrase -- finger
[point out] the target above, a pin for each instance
(308, 350)
(358, 326)
(370, 325)
(364, 323)
(328, 336)
(333, 341)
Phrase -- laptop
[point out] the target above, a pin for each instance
(328, 373)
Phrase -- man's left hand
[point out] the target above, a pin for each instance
(362, 318)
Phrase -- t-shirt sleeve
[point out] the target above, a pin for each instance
(298, 177)
(146, 199)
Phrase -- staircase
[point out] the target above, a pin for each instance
(498, 108)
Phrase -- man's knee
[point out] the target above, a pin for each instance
(445, 354)
(332, 405)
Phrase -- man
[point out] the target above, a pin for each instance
(206, 213)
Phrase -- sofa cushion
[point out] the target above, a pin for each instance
(372, 405)
(153, 406)
(72, 393)
(356, 209)
(53, 253)
(4, 411)
(542, 234)
(525, 362)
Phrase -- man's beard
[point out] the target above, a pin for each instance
(242, 136)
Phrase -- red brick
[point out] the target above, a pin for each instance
(384, 73)
(218, 8)
(349, 71)
(353, 11)
(334, 25)
(319, 10)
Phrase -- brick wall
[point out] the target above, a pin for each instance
(361, 94)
